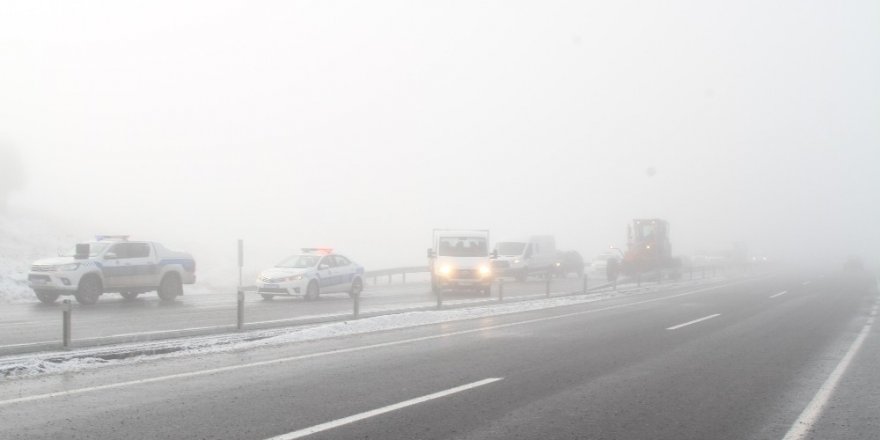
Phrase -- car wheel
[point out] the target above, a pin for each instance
(312, 292)
(129, 296)
(170, 287)
(90, 288)
(357, 286)
(267, 297)
(47, 297)
(522, 275)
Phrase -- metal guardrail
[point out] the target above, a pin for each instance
(402, 271)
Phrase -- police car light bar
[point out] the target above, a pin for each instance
(111, 237)
(323, 251)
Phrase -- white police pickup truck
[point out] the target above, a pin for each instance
(112, 264)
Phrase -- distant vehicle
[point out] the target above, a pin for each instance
(600, 262)
(569, 262)
(523, 258)
(112, 264)
(460, 260)
(314, 272)
(649, 249)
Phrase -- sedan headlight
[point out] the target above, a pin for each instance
(485, 271)
(67, 267)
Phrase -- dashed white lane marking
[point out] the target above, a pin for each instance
(276, 361)
(676, 327)
(779, 294)
(814, 409)
(379, 411)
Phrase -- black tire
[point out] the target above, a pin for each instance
(170, 287)
(129, 296)
(47, 297)
(89, 290)
(357, 286)
(313, 291)
(267, 297)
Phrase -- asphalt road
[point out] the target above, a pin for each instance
(118, 320)
(736, 361)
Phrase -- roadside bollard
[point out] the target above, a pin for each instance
(65, 323)
(692, 272)
(639, 279)
(660, 277)
(357, 305)
(439, 294)
(239, 322)
(500, 289)
(549, 277)
(585, 283)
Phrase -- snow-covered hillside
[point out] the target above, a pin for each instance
(25, 237)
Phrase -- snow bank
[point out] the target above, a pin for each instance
(25, 237)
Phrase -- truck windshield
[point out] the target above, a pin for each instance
(299, 261)
(94, 249)
(510, 248)
(463, 247)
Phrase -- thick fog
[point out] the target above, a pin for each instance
(364, 125)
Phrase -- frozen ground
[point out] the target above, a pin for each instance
(25, 237)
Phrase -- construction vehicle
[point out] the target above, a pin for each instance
(649, 251)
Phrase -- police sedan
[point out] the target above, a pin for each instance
(311, 274)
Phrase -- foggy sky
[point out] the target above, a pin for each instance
(364, 125)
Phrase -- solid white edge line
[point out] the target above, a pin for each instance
(779, 294)
(350, 349)
(810, 415)
(676, 327)
(379, 411)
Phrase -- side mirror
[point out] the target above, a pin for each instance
(110, 256)
(82, 251)
(430, 253)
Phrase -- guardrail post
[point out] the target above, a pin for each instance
(357, 305)
(585, 283)
(549, 277)
(439, 294)
(660, 277)
(500, 289)
(239, 321)
(639, 279)
(65, 323)
(692, 272)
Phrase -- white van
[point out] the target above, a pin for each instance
(460, 260)
(519, 259)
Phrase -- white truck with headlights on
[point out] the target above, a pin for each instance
(460, 260)
(112, 264)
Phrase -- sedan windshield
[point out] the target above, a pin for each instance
(299, 262)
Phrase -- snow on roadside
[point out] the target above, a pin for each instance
(25, 237)
(39, 363)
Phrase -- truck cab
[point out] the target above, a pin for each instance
(460, 261)
(522, 258)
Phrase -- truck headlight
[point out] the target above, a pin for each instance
(485, 271)
(67, 267)
(445, 270)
